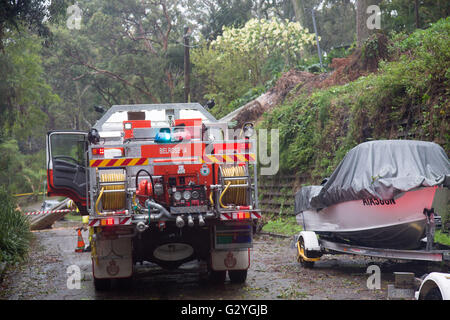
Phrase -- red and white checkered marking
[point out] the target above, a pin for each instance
(33, 213)
(125, 221)
(234, 216)
(256, 215)
(94, 222)
(117, 221)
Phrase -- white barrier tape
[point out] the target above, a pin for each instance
(45, 212)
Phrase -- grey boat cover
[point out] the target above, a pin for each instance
(379, 169)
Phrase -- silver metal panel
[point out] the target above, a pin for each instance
(141, 107)
(194, 209)
(144, 133)
(384, 253)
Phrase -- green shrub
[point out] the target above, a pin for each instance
(15, 232)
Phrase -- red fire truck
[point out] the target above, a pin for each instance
(164, 184)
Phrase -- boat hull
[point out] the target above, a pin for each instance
(398, 223)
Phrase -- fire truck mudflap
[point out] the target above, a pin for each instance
(112, 259)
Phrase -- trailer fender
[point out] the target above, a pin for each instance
(310, 240)
(435, 286)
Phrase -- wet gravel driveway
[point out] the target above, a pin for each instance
(274, 274)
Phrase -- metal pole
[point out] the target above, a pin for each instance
(317, 37)
(187, 76)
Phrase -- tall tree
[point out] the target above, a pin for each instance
(24, 93)
(362, 33)
(210, 16)
(32, 13)
(329, 18)
(407, 15)
(333, 30)
(129, 49)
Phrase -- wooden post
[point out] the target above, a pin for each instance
(416, 11)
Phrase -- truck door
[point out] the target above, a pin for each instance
(66, 166)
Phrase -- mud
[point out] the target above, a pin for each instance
(274, 274)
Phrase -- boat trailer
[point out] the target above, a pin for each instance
(310, 248)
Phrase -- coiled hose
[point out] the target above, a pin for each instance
(238, 195)
(111, 200)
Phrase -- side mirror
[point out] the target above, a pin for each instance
(99, 109)
(93, 136)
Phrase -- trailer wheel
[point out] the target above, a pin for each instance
(433, 294)
(301, 248)
(237, 276)
(102, 284)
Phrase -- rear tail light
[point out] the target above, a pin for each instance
(243, 215)
(107, 222)
(98, 151)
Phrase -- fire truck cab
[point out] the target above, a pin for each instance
(165, 184)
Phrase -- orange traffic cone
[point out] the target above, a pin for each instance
(80, 244)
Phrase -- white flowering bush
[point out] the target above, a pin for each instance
(242, 59)
(261, 39)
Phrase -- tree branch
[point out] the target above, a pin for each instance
(124, 81)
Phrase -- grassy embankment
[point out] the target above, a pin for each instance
(408, 97)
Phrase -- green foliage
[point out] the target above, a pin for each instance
(285, 225)
(226, 13)
(24, 93)
(15, 233)
(224, 81)
(334, 15)
(25, 101)
(30, 13)
(124, 53)
(410, 92)
(399, 15)
(20, 173)
(442, 238)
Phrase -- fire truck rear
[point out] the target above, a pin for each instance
(165, 184)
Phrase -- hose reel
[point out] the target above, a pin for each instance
(112, 190)
(235, 190)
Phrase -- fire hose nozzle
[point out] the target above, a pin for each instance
(201, 220)
(179, 222)
(190, 221)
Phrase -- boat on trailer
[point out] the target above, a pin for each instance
(384, 194)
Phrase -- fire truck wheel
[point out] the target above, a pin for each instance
(125, 283)
(237, 276)
(217, 277)
(102, 284)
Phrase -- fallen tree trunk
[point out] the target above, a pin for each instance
(253, 110)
